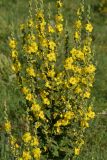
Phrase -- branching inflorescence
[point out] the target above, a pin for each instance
(55, 76)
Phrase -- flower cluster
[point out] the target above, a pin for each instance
(55, 79)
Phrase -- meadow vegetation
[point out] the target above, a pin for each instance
(14, 12)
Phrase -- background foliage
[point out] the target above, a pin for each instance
(13, 12)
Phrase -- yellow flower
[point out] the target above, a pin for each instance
(50, 29)
(78, 24)
(46, 101)
(89, 27)
(44, 93)
(36, 153)
(12, 43)
(31, 48)
(68, 63)
(40, 15)
(80, 55)
(59, 4)
(59, 18)
(42, 26)
(7, 126)
(90, 113)
(12, 140)
(59, 27)
(35, 107)
(58, 130)
(26, 155)
(87, 94)
(14, 54)
(73, 51)
(30, 23)
(84, 123)
(77, 35)
(90, 69)
(16, 145)
(31, 37)
(51, 56)
(25, 90)
(77, 151)
(58, 80)
(29, 96)
(74, 80)
(52, 45)
(86, 49)
(27, 137)
(69, 115)
(77, 69)
(68, 105)
(16, 67)
(64, 122)
(51, 73)
(41, 115)
(47, 84)
(77, 54)
(44, 42)
(58, 123)
(31, 71)
(78, 90)
(84, 80)
(34, 141)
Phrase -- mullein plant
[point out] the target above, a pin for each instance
(55, 76)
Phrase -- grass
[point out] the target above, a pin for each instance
(12, 12)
